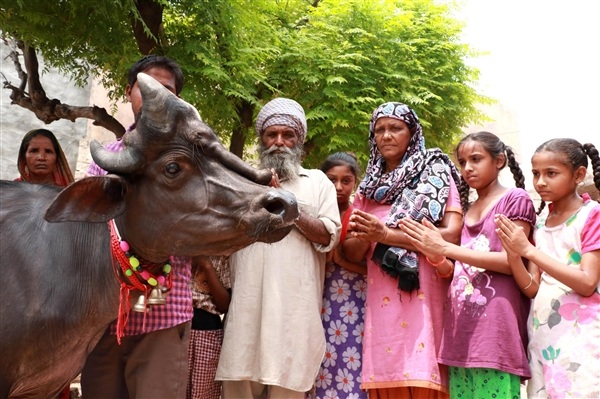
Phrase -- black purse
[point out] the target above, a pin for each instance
(388, 261)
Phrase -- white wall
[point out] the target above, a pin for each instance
(122, 113)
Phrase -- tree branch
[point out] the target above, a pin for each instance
(45, 109)
(37, 94)
(14, 56)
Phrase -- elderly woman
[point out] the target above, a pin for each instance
(42, 161)
(406, 291)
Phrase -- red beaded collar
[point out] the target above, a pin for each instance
(133, 276)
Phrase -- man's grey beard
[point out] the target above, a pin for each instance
(284, 163)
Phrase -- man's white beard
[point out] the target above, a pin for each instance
(285, 163)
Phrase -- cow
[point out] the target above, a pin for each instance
(173, 190)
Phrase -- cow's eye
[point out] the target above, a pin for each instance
(172, 168)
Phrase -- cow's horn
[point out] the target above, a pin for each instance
(158, 106)
(125, 161)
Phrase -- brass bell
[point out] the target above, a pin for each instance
(165, 291)
(140, 306)
(156, 297)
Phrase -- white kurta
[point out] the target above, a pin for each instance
(273, 330)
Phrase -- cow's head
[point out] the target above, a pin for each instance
(175, 189)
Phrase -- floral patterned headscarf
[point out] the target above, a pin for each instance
(418, 188)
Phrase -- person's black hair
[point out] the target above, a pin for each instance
(34, 133)
(156, 61)
(341, 159)
(496, 148)
(576, 155)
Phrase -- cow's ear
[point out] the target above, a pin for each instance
(92, 199)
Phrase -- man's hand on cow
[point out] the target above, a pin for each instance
(274, 179)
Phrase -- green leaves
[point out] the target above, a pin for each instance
(340, 60)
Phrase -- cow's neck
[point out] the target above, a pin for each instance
(135, 275)
(132, 272)
(149, 257)
(119, 233)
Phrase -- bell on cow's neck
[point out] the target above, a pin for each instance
(140, 306)
(156, 297)
(165, 291)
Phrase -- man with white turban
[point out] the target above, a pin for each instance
(274, 341)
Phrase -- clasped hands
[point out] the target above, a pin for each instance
(425, 237)
(366, 227)
(512, 237)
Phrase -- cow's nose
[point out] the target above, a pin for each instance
(281, 203)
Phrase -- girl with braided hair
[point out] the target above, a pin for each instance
(563, 274)
(484, 338)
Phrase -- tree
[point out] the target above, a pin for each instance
(338, 58)
(354, 55)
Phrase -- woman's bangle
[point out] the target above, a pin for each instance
(435, 264)
(530, 281)
(447, 275)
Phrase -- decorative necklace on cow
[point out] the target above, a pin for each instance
(137, 277)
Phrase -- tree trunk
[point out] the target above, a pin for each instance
(147, 30)
(238, 137)
(45, 109)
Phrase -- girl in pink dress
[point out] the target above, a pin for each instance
(485, 336)
(563, 274)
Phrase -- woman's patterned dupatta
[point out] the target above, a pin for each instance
(418, 188)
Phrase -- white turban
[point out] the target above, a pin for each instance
(282, 111)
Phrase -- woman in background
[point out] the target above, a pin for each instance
(41, 160)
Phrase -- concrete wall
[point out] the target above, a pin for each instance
(119, 110)
(505, 124)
